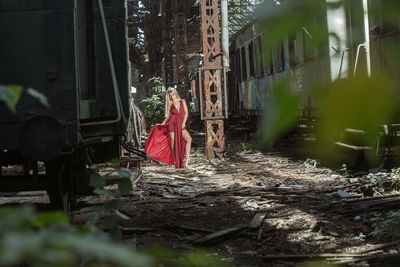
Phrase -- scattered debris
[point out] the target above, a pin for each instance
(257, 220)
(219, 234)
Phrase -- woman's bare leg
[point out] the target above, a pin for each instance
(188, 139)
(172, 135)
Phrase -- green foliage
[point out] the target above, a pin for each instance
(344, 170)
(386, 228)
(196, 258)
(339, 110)
(107, 214)
(46, 239)
(281, 112)
(385, 182)
(153, 107)
(39, 96)
(10, 95)
(244, 148)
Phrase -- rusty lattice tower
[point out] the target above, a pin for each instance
(211, 76)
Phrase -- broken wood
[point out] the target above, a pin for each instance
(137, 229)
(219, 234)
(380, 246)
(257, 220)
(309, 256)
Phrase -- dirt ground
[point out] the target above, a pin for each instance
(256, 209)
(253, 209)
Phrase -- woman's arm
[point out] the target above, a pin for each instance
(167, 114)
(186, 114)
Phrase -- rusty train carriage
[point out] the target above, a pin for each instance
(253, 75)
(63, 50)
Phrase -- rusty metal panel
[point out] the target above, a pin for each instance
(215, 139)
(210, 30)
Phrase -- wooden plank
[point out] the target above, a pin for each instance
(308, 256)
(257, 220)
(219, 234)
(358, 148)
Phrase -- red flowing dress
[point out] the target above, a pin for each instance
(158, 144)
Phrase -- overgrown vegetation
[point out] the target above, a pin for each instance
(243, 148)
(153, 107)
(10, 95)
(386, 228)
(30, 238)
(385, 182)
(107, 214)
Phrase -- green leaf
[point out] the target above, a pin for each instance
(115, 161)
(121, 215)
(125, 186)
(281, 112)
(96, 180)
(114, 204)
(10, 95)
(39, 96)
(44, 219)
(339, 110)
(98, 208)
(103, 192)
(109, 222)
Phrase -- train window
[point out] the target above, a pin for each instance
(267, 57)
(251, 58)
(237, 65)
(259, 58)
(278, 58)
(243, 63)
(292, 51)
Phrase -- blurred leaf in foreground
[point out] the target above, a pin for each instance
(39, 96)
(280, 113)
(359, 103)
(10, 95)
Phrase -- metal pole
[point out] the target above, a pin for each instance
(225, 33)
(367, 41)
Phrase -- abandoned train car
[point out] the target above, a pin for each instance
(364, 37)
(62, 50)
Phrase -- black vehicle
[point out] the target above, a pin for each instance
(76, 54)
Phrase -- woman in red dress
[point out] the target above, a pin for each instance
(170, 142)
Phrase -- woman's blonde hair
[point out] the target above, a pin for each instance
(167, 101)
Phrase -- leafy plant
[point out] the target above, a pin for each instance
(244, 147)
(383, 181)
(344, 170)
(107, 214)
(386, 228)
(360, 238)
(153, 107)
(10, 95)
(29, 238)
(195, 258)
